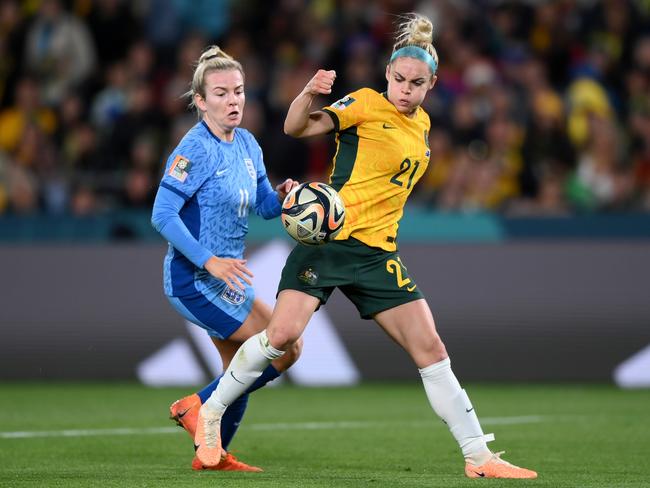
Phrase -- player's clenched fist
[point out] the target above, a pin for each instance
(321, 83)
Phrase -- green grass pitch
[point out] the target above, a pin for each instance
(375, 435)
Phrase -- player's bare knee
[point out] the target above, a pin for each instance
(429, 352)
(438, 349)
(283, 338)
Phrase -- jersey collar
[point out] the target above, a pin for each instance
(217, 138)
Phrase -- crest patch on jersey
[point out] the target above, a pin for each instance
(180, 168)
(308, 275)
(235, 297)
(250, 167)
(343, 102)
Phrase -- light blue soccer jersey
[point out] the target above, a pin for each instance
(218, 182)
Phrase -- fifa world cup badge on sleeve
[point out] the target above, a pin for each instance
(343, 102)
(180, 168)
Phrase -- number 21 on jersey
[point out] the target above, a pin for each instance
(404, 167)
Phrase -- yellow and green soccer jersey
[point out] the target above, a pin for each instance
(380, 155)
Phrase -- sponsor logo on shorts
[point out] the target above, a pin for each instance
(234, 296)
(309, 276)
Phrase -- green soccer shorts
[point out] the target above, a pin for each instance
(373, 279)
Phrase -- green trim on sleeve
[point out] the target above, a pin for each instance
(335, 119)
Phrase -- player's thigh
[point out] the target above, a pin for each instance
(291, 314)
(411, 325)
(256, 321)
(308, 278)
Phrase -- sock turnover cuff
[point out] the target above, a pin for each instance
(435, 368)
(267, 349)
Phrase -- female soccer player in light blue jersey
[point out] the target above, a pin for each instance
(212, 179)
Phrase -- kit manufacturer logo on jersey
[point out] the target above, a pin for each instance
(180, 168)
(250, 167)
(235, 297)
(343, 102)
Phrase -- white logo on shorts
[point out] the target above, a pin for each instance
(235, 297)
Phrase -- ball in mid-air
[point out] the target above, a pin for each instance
(313, 213)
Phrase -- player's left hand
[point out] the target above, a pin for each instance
(285, 187)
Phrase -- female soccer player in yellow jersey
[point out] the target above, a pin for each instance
(382, 152)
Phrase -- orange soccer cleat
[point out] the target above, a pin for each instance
(228, 463)
(207, 440)
(185, 412)
(498, 468)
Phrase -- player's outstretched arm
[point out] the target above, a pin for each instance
(299, 122)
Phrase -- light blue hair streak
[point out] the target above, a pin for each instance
(417, 53)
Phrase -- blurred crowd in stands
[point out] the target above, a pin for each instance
(540, 108)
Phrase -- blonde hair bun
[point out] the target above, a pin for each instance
(415, 30)
(213, 52)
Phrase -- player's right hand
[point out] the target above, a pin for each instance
(230, 271)
(321, 83)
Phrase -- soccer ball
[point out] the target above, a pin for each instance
(313, 213)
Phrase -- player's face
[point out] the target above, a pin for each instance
(223, 105)
(409, 80)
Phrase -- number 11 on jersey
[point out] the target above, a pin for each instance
(242, 211)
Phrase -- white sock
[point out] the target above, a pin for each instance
(452, 405)
(250, 360)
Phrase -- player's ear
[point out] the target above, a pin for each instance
(388, 72)
(199, 101)
(432, 82)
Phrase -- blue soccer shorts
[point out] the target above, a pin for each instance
(218, 309)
